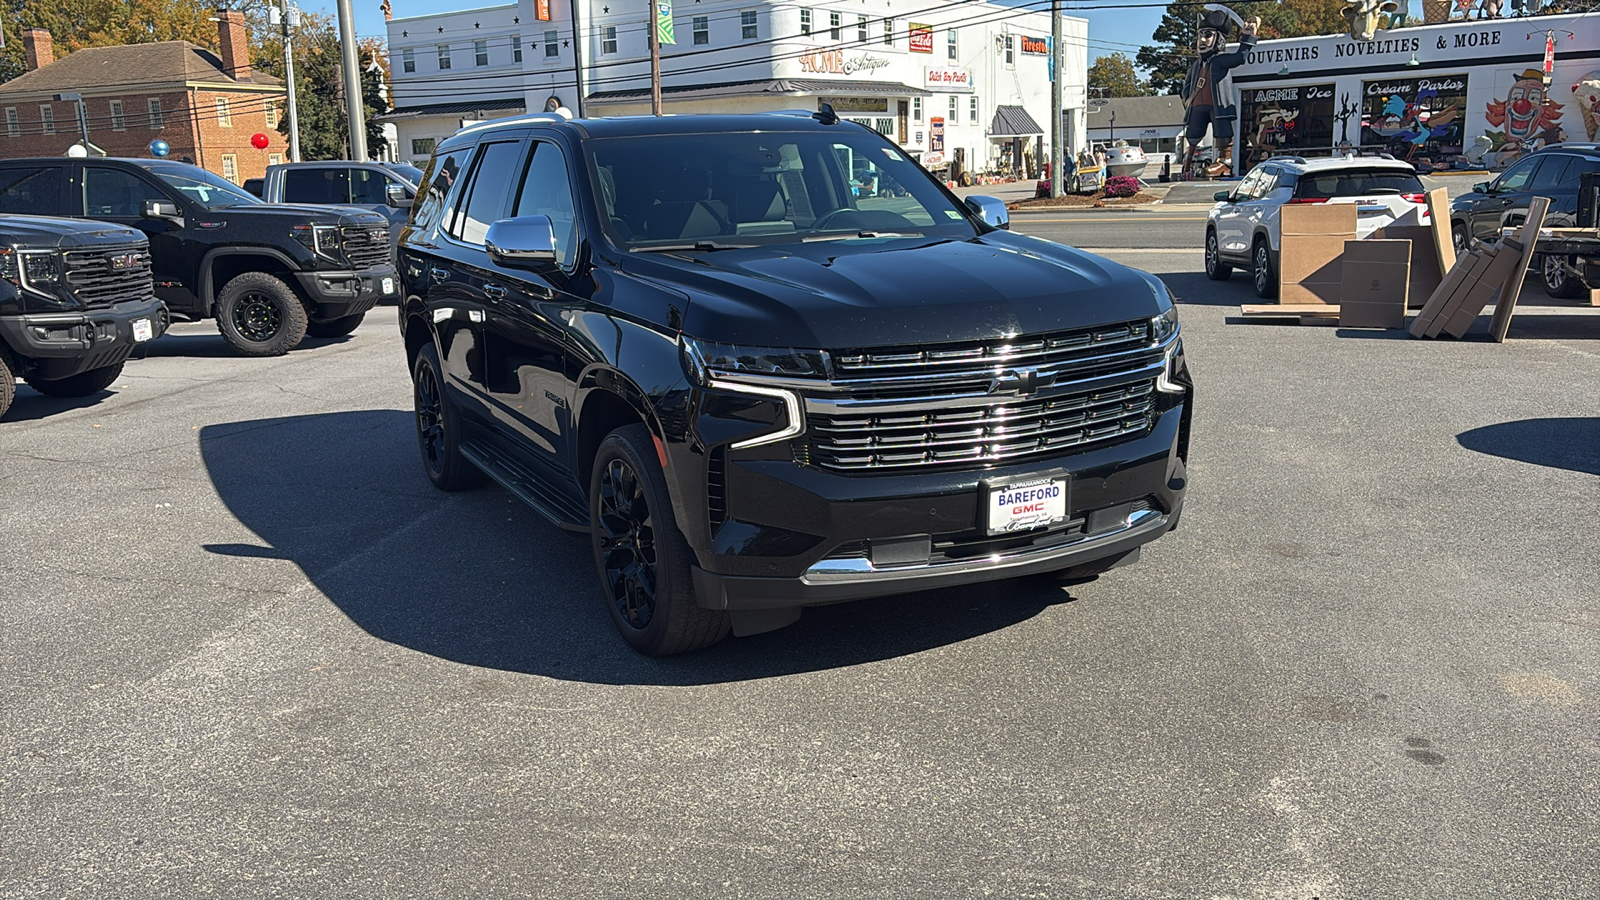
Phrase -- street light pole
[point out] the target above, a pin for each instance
(355, 111)
(1057, 177)
(83, 117)
(288, 77)
(655, 62)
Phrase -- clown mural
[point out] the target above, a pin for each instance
(1208, 89)
(1586, 93)
(1529, 118)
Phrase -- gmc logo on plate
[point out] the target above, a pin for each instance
(126, 261)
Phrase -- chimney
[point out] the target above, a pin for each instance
(234, 39)
(38, 48)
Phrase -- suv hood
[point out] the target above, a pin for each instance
(301, 213)
(45, 231)
(892, 291)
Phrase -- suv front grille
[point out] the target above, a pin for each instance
(365, 246)
(103, 277)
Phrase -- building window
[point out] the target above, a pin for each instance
(835, 20)
(702, 30)
(119, 122)
(552, 44)
(861, 30)
(444, 56)
(888, 32)
(608, 39)
(884, 127)
(408, 60)
(950, 43)
(274, 159)
(1011, 51)
(516, 48)
(157, 120)
(747, 25)
(47, 116)
(422, 146)
(916, 109)
(480, 53)
(955, 109)
(805, 22)
(972, 109)
(230, 167)
(270, 109)
(224, 115)
(13, 126)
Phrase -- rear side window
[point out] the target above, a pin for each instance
(316, 186)
(32, 191)
(494, 183)
(1553, 172)
(1356, 183)
(444, 171)
(1579, 168)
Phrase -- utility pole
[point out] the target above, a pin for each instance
(655, 62)
(577, 57)
(1058, 178)
(286, 19)
(354, 109)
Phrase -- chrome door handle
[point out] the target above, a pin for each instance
(495, 291)
(439, 276)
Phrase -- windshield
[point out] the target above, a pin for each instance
(202, 187)
(745, 189)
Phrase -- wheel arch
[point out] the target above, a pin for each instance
(222, 264)
(607, 400)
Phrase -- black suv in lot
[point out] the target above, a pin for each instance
(268, 273)
(75, 298)
(1555, 172)
(693, 339)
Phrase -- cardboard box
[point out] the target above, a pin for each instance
(1480, 261)
(1426, 275)
(1375, 283)
(1310, 247)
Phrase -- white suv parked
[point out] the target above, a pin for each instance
(1242, 229)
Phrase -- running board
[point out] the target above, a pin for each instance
(527, 487)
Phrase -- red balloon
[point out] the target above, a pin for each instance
(259, 141)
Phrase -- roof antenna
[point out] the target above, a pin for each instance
(825, 114)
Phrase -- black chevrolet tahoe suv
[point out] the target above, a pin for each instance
(268, 273)
(758, 387)
(75, 297)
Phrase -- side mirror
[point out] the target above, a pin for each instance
(526, 242)
(992, 211)
(161, 209)
(395, 196)
(1222, 196)
(1481, 187)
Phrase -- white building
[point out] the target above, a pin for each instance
(967, 85)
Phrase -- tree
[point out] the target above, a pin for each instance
(319, 86)
(76, 24)
(1113, 75)
(1167, 58)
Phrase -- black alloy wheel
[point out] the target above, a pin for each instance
(625, 536)
(1216, 269)
(259, 315)
(438, 428)
(256, 317)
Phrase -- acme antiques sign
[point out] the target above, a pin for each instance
(833, 62)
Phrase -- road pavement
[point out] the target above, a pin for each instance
(248, 651)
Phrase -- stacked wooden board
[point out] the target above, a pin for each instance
(1484, 273)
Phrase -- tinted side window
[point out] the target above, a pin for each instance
(34, 190)
(437, 186)
(316, 186)
(494, 181)
(367, 186)
(116, 194)
(1579, 168)
(1552, 173)
(1518, 176)
(547, 191)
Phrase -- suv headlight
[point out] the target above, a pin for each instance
(1164, 325)
(323, 240)
(708, 359)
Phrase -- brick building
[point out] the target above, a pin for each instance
(206, 106)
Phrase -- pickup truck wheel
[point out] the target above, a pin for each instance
(642, 558)
(259, 316)
(1558, 278)
(8, 383)
(439, 427)
(334, 327)
(80, 385)
(1216, 269)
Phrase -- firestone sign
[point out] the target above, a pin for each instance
(947, 79)
(1035, 46)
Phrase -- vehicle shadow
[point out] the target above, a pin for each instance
(1195, 289)
(479, 579)
(30, 406)
(1570, 443)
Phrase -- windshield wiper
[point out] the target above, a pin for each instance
(861, 234)
(693, 245)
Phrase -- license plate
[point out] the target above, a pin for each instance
(388, 285)
(1028, 504)
(142, 330)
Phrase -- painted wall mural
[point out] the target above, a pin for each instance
(1527, 118)
(1416, 119)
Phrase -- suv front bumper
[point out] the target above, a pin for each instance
(62, 344)
(340, 293)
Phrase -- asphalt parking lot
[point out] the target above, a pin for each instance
(248, 651)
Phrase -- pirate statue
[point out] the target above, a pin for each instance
(1208, 91)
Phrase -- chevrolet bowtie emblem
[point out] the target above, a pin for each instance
(1025, 382)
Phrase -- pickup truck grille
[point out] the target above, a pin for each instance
(102, 277)
(366, 246)
(983, 403)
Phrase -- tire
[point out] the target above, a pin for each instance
(1458, 237)
(1558, 280)
(439, 427)
(334, 328)
(640, 555)
(8, 382)
(1263, 274)
(1216, 269)
(259, 315)
(80, 385)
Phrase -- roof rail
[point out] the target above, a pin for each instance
(560, 115)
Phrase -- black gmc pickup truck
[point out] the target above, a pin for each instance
(75, 298)
(767, 362)
(268, 273)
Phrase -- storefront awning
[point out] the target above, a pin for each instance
(505, 107)
(1011, 122)
(791, 87)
